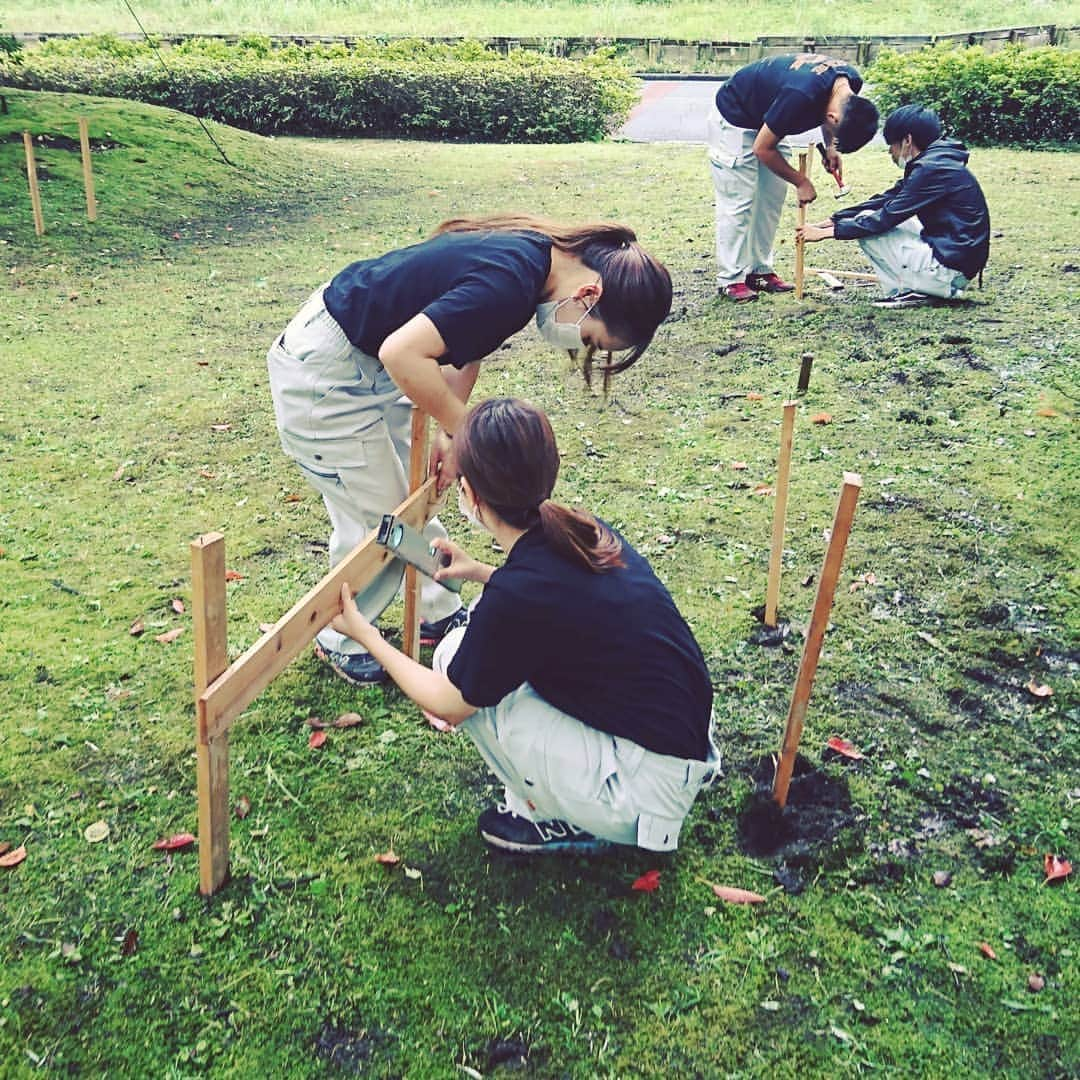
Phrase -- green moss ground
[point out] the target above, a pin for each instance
(126, 342)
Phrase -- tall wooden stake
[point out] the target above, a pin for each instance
(212, 752)
(783, 473)
(800, 245)
(87, 169)
(31, 176)
(815, 635)
(804, 372)
(410, 636)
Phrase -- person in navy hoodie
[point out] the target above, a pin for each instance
(929, 234)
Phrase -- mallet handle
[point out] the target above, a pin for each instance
(783, 472)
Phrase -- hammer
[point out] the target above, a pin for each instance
(844, 189)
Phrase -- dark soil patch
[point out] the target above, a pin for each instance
(350, 1051)
(507, 1054)
(818, 810)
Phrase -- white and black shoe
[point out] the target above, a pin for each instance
(903, 300)
(431, 633)
(501, 828)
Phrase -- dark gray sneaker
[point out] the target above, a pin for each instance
(359, 669)
(501, 828)
(431, 633)
(903, 300)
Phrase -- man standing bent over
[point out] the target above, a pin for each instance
(749, 155)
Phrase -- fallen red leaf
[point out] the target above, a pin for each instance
(763, 489)
(206, 474)
(4, 847)
(293, 497)
(987, 951)
(233, 575)
(348, 720)
(242, 807)
(821, 418)
(1038, 689)
(842, 746)
(388, 858)
(738, 466)
(648, 882)
(731, 895)
(131, 943)
(1047, 411)
(1056, 869)
(178, 606)
(317, 739)
(176, 842)
(754, 396)
(136, 628)
(170, 635)
(13, 858)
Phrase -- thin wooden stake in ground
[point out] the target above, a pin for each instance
(800, 244)
(804, 372)
(87, 169)
(815, 635)
(31, 177)
(410, 635)
(783, 473)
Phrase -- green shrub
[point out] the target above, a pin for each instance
(417, 88)
(1016, 96)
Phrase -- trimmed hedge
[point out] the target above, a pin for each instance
(462, 91)
(1015, 97)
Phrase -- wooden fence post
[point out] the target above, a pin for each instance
(31, 177)
(783, 473)
(800, 244)
(410, 634)
(87, 169)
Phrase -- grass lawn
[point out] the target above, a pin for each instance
(689, 19)
(135, 415)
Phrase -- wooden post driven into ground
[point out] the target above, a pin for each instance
(410, 634)
(800, 217)
(223, 692)
(87, 169)
(31, 178)
(783, 474)
(815, 634)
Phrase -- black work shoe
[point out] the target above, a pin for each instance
(903, 300)
(360, 669)
(505, 830)
(431, 633)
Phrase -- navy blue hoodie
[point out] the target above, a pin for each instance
(946, 197)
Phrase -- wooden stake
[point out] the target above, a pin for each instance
(87, 169)
(410, 635)
(804, 372)
(212, 754)
(800, 244)
(31, 176)
(815, 635)
(783, 472)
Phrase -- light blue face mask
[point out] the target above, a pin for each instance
(562, 335)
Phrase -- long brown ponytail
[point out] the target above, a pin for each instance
(636, 297)
(506, 450)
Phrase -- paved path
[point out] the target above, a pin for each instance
(672, 110)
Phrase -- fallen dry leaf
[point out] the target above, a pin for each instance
(731, 895)
(233, 575)
(388, 858)
(844, 748)
(316, 740)
(96, 832)
(242, 807)
(292, 497)
(119, 474)
(753, 395)
(987, 951)
(1047, 411)
(131, 943)
(4, 846)
(316, 723)
(821, 418)
(14, 857)
(176, 842)
(1036, 982)
(942, 879)
(762, 489)
(178, 606)
(137, 628)
(738, 466)
(648, 882)
(348, 720)
(206, 474)
(221, 427)
(1038, 689)
(1056, 869)
(169, 636)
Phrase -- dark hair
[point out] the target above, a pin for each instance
(506, 450)
(636, 295)
(921, 123)
(857, 126)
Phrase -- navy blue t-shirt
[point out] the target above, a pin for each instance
(478, 288)
(789, 93)
(610, 649)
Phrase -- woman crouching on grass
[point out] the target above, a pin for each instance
(576, 676)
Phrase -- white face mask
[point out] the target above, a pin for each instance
(562, 335)
(467, 511)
